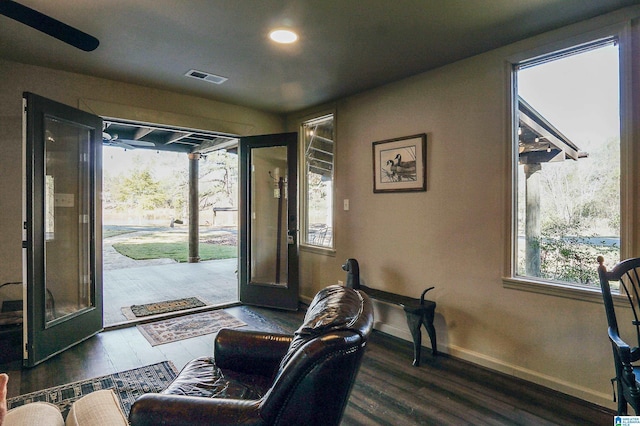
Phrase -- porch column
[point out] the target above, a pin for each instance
(194, 209)
(532, 219)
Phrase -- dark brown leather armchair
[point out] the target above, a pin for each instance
(258, 378)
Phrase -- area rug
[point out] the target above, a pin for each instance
(188, 326)
(139, 311)
(127, 385)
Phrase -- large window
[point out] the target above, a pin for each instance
(317, 181)
(567, 185)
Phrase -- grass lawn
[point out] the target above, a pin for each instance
(170, 246)
(177, 251)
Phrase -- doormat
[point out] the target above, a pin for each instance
(127, 385)
(188, 326)
(138, 311)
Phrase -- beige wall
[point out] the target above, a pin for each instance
(455, 235)
(105, 98)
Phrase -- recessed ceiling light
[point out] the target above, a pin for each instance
(283, 36)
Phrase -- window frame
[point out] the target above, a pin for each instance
(304, 201)
(629, 176)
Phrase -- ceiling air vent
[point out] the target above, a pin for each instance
(211, 78)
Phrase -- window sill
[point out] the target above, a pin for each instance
(555, 289)
(318, 250)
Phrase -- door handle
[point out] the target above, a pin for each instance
(291, 233)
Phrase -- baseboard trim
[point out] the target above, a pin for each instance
(589, 395)
(586, 394)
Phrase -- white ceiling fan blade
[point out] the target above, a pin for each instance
(136, 143)
(119, 144)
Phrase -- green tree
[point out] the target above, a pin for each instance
(218, 180)
(581, 203)
(140, 191)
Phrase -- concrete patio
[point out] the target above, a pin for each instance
(127, 281)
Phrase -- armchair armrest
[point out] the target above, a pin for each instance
(250, 352)
(625, 372)
(177, 410)
(623, 350)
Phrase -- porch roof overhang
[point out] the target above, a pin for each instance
(319, 149)
(539, 141)
(133, 135)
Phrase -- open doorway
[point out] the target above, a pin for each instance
(147, 234)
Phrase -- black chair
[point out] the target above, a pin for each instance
(627, 274)
(261, 378)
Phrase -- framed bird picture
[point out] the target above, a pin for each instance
(399, 165)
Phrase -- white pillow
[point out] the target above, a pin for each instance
(35, 413)
(97, 408)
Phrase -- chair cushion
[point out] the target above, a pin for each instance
(35, 413)
(97, 408)
(333, 308)
(201, 377)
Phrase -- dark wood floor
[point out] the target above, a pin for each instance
(388, 389)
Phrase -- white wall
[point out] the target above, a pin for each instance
(105, 98)
(455, 235)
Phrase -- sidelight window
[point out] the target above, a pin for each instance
(317, 181)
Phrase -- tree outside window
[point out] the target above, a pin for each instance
(567, 186)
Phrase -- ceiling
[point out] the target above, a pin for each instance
(345, 46)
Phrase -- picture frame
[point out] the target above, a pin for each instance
(399, 165)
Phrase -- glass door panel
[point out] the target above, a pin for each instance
(268, 226)
(268, 255)
(67, 209)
